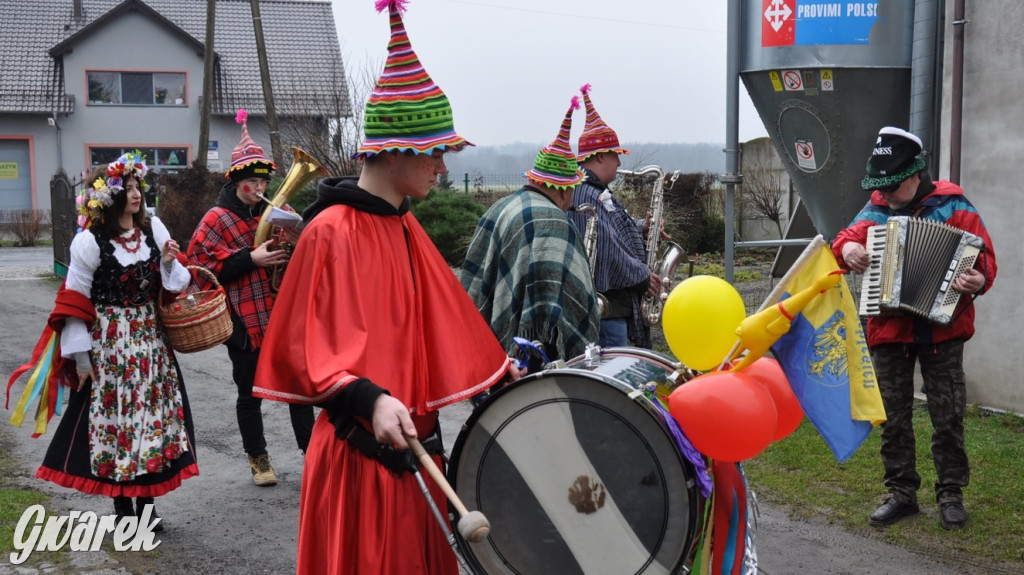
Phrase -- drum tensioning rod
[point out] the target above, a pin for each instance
(440, 521)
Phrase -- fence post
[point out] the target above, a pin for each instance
(465, 182)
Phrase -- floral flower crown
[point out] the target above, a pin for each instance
(93, 199)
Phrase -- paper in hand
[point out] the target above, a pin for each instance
(283, 218)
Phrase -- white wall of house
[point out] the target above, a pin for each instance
(993, 145)
(132, 42)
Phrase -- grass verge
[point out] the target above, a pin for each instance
(14, 500)
(801, 473)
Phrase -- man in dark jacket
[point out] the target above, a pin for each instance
(901, 187)
(621, 274)
(223, 244)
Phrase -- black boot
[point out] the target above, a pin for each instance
(140, 506)
(123, 508)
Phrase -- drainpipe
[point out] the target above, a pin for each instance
(957, 107)
(52, 120)
(922, 81)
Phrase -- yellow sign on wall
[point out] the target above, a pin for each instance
(8, 170)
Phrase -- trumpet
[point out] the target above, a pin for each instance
(304, 169)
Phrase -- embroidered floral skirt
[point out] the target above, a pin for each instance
(129, 431)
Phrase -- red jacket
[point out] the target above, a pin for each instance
(946, 203)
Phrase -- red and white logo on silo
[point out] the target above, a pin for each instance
(778, 25)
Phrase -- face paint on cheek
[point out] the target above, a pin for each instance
(246, 188)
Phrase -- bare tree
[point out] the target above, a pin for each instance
(765, 186)
(763, 191)
(328, 125)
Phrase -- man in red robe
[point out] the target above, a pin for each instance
(372, 325)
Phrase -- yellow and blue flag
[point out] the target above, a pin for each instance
(825, 356)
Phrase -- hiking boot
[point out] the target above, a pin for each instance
(953, 515)
(140, 506)
(892, 511)
(262, 473)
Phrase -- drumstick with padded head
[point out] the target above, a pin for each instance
(473, 526)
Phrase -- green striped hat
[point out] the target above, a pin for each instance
(556, 163)
(407, 110)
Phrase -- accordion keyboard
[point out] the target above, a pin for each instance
(871, 282)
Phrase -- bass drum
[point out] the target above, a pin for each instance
(577, 472)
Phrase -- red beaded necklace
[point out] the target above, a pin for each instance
(135, 238)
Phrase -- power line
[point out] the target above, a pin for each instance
(588, 17)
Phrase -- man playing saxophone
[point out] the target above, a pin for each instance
(224, 244)
(621, 273)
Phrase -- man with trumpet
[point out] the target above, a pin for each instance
(621, 274)
(224, 244)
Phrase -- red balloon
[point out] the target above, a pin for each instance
(728, 416)
(768, 373)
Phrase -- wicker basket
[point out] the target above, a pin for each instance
(201, 326)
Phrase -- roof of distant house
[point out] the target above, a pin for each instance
(302, 48)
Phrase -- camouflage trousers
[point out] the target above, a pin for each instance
(946, 393)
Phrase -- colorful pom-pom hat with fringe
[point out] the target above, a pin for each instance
(407, 110)
(248, 160)
(556, 164)
(597, 137)
(92, 199)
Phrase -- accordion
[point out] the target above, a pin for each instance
(913, 264)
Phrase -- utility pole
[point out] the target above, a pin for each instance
(204, 113)
(268, 92)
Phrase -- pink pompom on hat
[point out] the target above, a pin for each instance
(248, 160)
(556, 164)
(597, 137)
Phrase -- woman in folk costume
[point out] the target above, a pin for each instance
(128, 428)
(362, 328)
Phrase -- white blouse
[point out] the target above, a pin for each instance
(85, 259)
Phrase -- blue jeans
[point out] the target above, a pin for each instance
(613, 333)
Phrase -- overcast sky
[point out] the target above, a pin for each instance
(510, 67)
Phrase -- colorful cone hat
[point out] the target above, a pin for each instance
(248, 160)
(556, 164)
(597, 137)
(407, 110)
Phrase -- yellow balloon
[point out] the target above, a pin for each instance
(700, 319)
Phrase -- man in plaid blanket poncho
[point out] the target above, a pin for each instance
(526, 268)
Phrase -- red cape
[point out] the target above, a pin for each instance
(370, 296)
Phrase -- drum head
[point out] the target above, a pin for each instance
(576, 474)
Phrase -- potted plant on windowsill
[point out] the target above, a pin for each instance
(161, 95)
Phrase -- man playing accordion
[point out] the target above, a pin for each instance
(900, 186)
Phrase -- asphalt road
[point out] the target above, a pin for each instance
(219, 522)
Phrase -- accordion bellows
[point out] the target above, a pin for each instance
(913, 264)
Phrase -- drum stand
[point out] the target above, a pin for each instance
(440, 521)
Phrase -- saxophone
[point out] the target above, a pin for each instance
(590, 245)
(665, 267)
